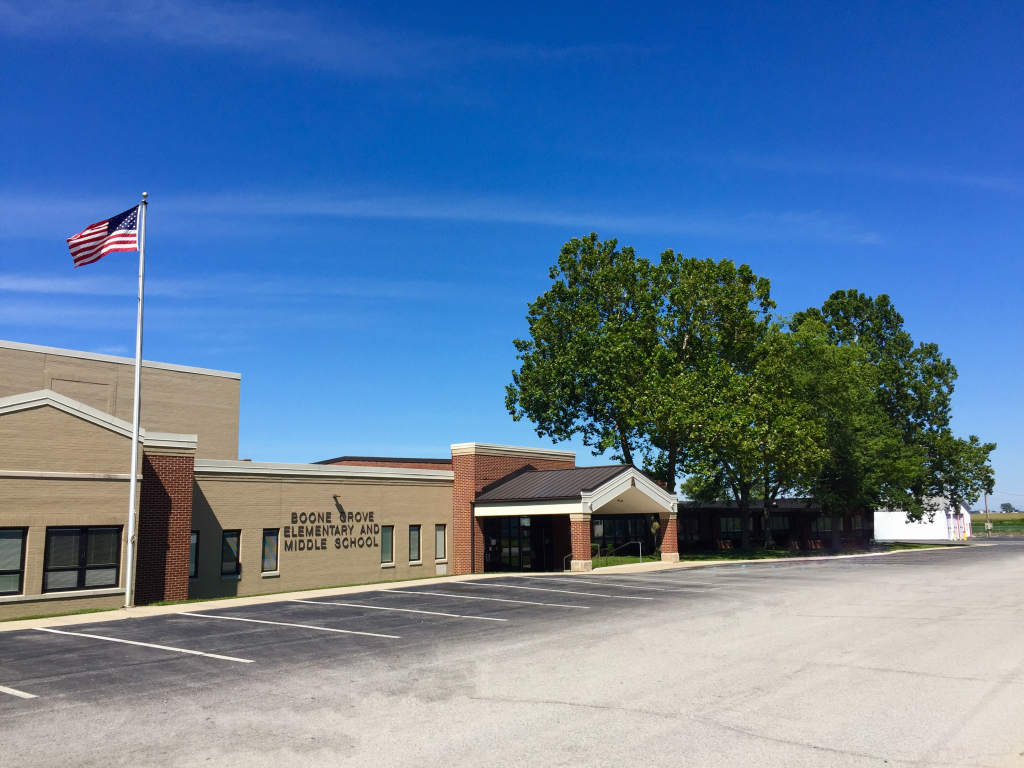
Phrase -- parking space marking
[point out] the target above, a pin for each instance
(571, 579)
(563, 591)
(286, 624)
(401, 610)
(15, 692)
(146, 645)
(475, 597)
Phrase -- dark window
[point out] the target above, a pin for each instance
(12, 560)
(81, 558)
(269, 550)
(439, 542)
(387, 544)
(229, 563)
(193, 555)
(414, 543)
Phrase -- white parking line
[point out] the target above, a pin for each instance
(401, 610)
(286, 624)
(146, 645)
(563, 591)
(571, 579)
(15, 692)
(474, 597)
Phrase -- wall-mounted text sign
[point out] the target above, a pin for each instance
(311, 531)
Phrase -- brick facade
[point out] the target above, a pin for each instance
(165, 525)
(473, 472)
(669, 536)
(580, 540)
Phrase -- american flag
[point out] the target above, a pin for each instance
(118, 233)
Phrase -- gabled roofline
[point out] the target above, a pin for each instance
(47, 397)
(595, 497)
(114, 359)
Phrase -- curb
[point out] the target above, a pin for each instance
(140, 612)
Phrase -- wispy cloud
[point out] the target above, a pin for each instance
(872, 170)
(237, 285)
(243, 214)
(324, 41)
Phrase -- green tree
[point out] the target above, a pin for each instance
(912, 386)
(708, 312)
(961, 471)
(760, 426)
(1007, 508)
(588, 366)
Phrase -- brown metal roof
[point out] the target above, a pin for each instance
(384, 458)
(540, 485)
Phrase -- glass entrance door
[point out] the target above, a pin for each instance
(518, 544)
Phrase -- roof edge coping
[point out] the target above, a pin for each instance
(493, 449)
(115, 359)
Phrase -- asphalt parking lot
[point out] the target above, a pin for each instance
(914, 658)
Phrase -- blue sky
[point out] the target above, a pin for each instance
(352, 204)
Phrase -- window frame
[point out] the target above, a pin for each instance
(277, 551)
(21, 569)
(84, 533)
(238, 554)
(441, 529)
(418, 529)
(193, 564)
(387, 533)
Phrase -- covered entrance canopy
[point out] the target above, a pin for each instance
(538, 519)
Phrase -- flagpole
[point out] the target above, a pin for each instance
(129, 570)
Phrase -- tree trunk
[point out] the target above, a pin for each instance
(745, 521)
(766, 527)
(837, 533)
(670, 470)
(627, 455)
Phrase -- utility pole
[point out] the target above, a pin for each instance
(988, 521)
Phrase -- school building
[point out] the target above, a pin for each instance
(212, 525)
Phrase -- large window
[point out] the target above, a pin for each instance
(387, 544)
(414, 543)
(269, 564)
(229, 562)
(81, 558)
(12, 560)
(730, 527)
(193, 555)
(439, 542)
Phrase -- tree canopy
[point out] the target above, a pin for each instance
(682, 365)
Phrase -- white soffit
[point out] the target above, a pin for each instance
(526, 509)
(338, 471)
(492, 449)
(632, 479)
(114, 359)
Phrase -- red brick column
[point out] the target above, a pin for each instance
(473, 471)
(165, 525)
(670, 539)
(581, 558)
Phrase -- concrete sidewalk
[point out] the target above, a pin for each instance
(139, 612)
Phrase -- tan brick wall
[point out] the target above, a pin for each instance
(254, 503)
(472, 473)
(172, 401)
(165, 525)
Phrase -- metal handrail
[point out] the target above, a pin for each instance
(563, 561)
(608, 553)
